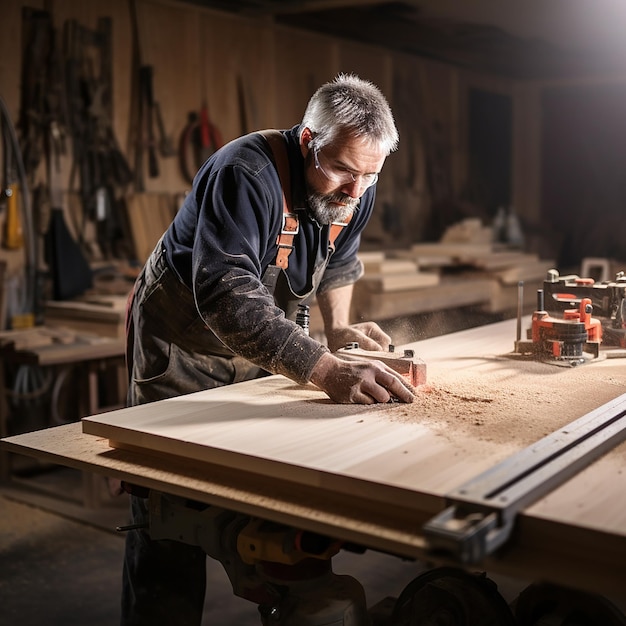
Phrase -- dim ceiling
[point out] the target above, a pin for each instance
(523, 39)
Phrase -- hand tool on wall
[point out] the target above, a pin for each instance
(21, 229)
(198, 141)
(146, 90)
(145, 113)
(210, 136)
(166, 145)
(13, 235)
(98, 163)
(36, 86)
(69, 269)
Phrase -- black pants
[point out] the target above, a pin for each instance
(171, 352)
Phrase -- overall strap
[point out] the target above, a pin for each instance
(291, 225)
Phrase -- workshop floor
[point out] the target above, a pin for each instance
(64, 569)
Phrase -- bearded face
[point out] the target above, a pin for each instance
(333, 207)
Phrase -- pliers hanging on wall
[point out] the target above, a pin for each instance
(198, 141)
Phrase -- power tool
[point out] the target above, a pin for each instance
(608, 299)
(576, 336)
(567, 339)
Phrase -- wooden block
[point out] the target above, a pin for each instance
(469, 230)
(371, 256)
(532, 271)
(104, 316)
(390, 266)
(407, 364)
(398, 282)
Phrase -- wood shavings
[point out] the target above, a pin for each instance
(513, 403)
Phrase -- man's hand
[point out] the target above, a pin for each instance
(369, 336)
(360, 382)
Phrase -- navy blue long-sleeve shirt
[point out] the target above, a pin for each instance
(225, 236)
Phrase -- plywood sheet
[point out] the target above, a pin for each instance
(478, 407)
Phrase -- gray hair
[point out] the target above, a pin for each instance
(353, 106)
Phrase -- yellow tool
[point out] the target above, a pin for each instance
(13, 233)
(267, 541)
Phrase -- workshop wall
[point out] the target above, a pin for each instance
(252, 73)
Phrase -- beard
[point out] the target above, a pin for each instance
(324, 209)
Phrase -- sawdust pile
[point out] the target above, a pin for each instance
(517, 408)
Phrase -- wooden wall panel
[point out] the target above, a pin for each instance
(202, 54)
(303, 62)
(174, 51)
(373, 64)
(235, 53)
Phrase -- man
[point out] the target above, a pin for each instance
(215, 302)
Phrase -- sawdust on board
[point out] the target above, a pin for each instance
(517, 409)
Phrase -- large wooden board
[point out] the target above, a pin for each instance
(375, 474)
(478, 407)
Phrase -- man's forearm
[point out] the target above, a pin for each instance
(334, 306)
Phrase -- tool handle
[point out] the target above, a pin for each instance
(146, 73)
(205, 127)
(13, 233)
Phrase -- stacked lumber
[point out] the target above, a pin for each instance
(465, 268)
(505, 268)
(35, 337)
(45, 345)
(383, 273)
(102, 315)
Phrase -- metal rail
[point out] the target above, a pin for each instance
(481, 512)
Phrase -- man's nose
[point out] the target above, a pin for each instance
(355, 188)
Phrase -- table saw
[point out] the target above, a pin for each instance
(500, 466)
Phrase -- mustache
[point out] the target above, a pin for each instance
(343, 198)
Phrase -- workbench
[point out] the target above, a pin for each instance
(375, 475)
(63, 353)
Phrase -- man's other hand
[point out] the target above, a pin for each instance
(369, 336)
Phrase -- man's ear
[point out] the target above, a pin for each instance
(305, 138)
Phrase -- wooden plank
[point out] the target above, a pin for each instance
(389, 266)
(371, 256)
(461, 252)
(391, 528)
(532, 271)
(541, 550)
(280, 430)
(104, 316)
(385, 281)
(375, 474)
(446, 295)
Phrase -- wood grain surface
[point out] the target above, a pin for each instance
(478, 407)
(376, 474)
